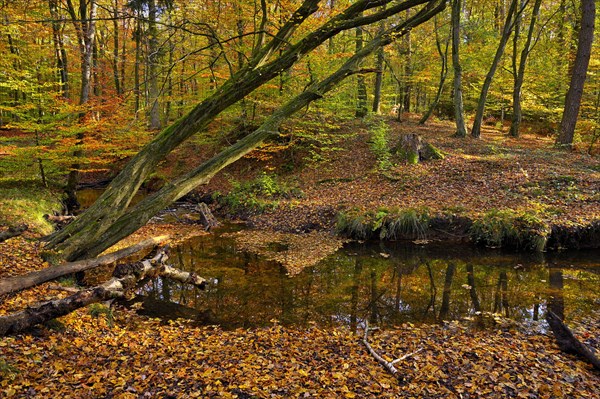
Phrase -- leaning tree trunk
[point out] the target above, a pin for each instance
(138, 215)
(520, 72)
(582, 60)
(443, 73)
(508, 25)
(83, 234)
(459, 110)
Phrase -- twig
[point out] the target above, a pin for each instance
(389, 366)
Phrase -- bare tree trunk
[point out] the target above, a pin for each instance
(506, 31)
(361, 86)
(582, 59)
(116, 48)
(59, 48)
(85, 25)
(152, 76)
(520, 72)
(459, 110)
(443, 73)
(379, 66)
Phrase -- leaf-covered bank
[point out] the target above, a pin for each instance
(496, 190)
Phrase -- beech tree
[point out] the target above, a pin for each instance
(109, 219)
(580, 66)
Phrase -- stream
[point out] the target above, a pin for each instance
(386, 283)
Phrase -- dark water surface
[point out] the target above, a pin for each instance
(388, 283)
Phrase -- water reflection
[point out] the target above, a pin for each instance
(386, 283)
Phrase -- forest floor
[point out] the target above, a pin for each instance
(97, 352)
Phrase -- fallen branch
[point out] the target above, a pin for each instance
(389, 366)
(116, 287)
(18, 283)
(567, 342)
(13, 231)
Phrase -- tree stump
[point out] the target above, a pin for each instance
(414, 149)
(206, 217)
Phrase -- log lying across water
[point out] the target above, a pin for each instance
(18, 283)
(128, 276)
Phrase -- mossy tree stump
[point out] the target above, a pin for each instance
(412, 148)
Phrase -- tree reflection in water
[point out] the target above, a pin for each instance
(358, 283)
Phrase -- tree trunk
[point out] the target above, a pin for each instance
(85, 25)
(116, 287)
(443, 73)
(459, 111)
(116, 48)
(506, 31)
(582, 59)
(379, 66)
(104, 218)
(567, 342)
(59, 49)
(152, 76)
(361, 86)
(520, 72)
(18, 283)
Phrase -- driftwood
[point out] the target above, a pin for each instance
(116, 287)
(18, 283)
(567, 342)
(414, 149)
(206, 217)
(13, 231)
(389, 366)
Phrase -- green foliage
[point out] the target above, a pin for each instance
(258, 195)
(97, 309)
(378, 142)
(512, 229)
(387, 224)
(7, 370)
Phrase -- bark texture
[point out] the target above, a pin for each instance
(582, 60)
(567, 341)
(117, 287)
(18, 283)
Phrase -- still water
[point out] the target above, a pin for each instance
(387, 283)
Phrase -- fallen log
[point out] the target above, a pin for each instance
(116, 287)
(567, 342)
(18, 283)
(13, 231)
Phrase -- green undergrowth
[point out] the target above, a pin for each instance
(385, 224)
(24, 202)
(497, 228)
(511, 229)
(379, 142)
(256, 196)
